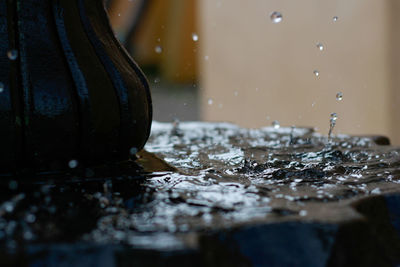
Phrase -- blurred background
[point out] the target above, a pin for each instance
(228, 60)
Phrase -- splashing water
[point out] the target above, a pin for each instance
(276, 17)
(228, 176)
(332, 123)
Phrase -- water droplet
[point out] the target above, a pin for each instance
(28, 235)
(133, 151)
(333, 117)
(276, 124)
(276, 17)
(320, 46)
(8, 206)
(30, 218)
(158, 49)
(210, 101)
(1, 87)
(316, 73)
(73, 163)
(376, 191)
(195, 37)
(339, 96)
(303, 213)
(335, 18)
(12, 54)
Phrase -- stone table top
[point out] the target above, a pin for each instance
(215, 194)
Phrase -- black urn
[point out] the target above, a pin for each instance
(68, 89)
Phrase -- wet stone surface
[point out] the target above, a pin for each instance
(277, 196)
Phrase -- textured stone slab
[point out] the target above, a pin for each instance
(221, 195)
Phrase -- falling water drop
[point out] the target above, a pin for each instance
(276, 17)
(73, 163)
(320, 46)
(276, 124)
(195, 37)
(210, 101)
(335, 18)
(333, 117)
(158, 49)
(316, 73)
(303, 213)
(339, 96)
(12, 54)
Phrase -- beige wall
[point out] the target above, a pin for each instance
(246, 51)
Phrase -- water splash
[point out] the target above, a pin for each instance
(332, 124)
(227, 176)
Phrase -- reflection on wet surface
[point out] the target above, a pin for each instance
(225, 177)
